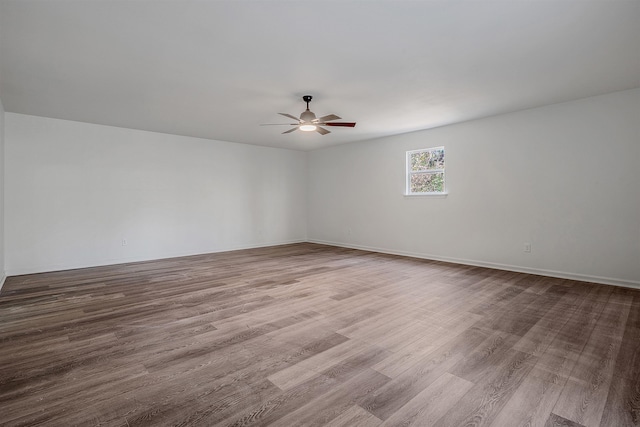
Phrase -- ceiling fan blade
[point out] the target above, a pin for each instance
(290, 130)
(344, 124)
(322, 131)
(278, 124)
(329, 118)
(290, 116)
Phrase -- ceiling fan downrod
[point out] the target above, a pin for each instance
(307, 99)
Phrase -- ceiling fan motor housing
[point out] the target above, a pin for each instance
(307, 116)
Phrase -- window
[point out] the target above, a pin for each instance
(425, 171)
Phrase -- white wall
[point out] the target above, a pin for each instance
(74, 191)
(565, 178)
(2, 263)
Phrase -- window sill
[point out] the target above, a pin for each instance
(436, 195)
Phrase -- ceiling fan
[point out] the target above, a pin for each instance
(309, 123)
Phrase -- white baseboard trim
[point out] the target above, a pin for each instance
(497, 266)
(51, 268)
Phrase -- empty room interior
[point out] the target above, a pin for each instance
(320, 213)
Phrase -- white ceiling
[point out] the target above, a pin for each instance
(218, 69)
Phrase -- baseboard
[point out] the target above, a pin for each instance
(63, 267)
(497, 266)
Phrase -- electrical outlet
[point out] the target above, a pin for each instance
(527, 247)
(124, 242)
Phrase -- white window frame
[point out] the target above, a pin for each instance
(409, 173)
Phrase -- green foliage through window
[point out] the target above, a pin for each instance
(425, 171)
(427, 160)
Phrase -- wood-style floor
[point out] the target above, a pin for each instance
(308, 334)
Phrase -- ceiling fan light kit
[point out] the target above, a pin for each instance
(309, 123)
